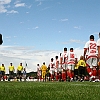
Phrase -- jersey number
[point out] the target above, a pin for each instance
(92, 47)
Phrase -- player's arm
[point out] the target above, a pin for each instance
(98, 52)
(13, 69)
(85, 50)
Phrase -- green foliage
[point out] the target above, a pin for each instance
(49, 91)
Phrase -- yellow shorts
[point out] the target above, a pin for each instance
(43, 74)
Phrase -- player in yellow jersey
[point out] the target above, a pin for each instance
(19, 71)
(11, 71)
(82, 65)
(2, 69)
(44, 70)
(76, 72)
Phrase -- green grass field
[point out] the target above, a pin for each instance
(49, 91)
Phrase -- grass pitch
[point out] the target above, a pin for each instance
(49, 91)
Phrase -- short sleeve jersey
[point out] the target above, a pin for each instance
(52, 65)
(71, 58)
(11, 68)
(92, 48)
(64, 57)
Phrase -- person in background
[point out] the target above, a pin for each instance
(48, 73)
(11, 71)
(72, 59)
(56, 68)
(52, 69)
(63, 63)
(76, 72)
(2, 68)
(81, 68)
(24, 74)
(39, 73)
(19, 72)
(91, 48)
(44, 70)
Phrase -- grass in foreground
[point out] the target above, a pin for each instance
(49, 91)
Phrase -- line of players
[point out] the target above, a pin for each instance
(63, 68)
(21, 72)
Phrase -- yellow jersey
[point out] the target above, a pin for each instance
(20, 68)
(76, 66)
(44, 68)
(11, 68)
(2, 68)
(81, 63)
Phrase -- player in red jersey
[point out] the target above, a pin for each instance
(56, 68)
(63, 62)
(39, 72)
(98, 47)
(52, 69)
(72, 59)
(91, 48)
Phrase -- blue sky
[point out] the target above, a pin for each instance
(36, 29)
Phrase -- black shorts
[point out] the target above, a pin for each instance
(2, 73)
(82, 71)
(75, 71)
(11, 73)
(19, 73)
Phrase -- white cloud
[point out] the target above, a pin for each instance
(39, 4)
(2, 9)
(36, 27)
(12, 11)
(17, 1)
(8, 37)
(39, 0)
(2, 2)
(21, 22)
(27, 12)
(2, 5)
(64, 20)
(45, 8)
(77, 27)
(20, 5)
(74, 41)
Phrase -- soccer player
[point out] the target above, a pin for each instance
(48, 73)
(76, 72)
(63, 62)
(72, 59)
(24, 74)
(19, 72)
(91, 48)
(2, 68)
(44, 69)
(52, 69)
(56, 68)
(98, 47)
(81, 67)
(39, 73)
(11, 71)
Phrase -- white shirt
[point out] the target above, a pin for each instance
(64, 57)
(92, 48)
(52, 65)
(71, 58)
